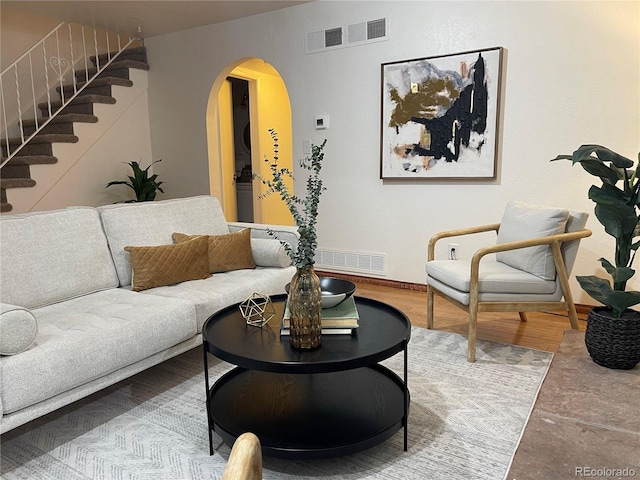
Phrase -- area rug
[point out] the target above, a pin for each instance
(465, 423)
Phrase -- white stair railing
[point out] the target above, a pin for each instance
(33, 78)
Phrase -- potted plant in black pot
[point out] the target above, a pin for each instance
(613, 330)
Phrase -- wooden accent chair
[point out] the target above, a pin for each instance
(245, 460)
(534, 254)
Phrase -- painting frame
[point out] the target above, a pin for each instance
(440, 116)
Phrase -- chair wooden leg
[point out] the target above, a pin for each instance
(430, 299)
(523, 316)
(245, 460)
(473, 320)
(573, 315)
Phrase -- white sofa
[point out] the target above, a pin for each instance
(70, 323)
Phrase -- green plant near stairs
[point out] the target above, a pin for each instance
(39, 150)
(144, 186)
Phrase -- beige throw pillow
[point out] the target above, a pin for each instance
(168, 264)
(226, 252)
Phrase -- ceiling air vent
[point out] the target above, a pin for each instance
(324, 39)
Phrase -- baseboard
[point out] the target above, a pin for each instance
(416, 287)
(383, 282)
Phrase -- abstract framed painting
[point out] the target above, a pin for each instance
(440, 116)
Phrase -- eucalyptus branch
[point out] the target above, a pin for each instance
(304, 210)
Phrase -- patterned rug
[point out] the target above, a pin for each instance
(465, 423)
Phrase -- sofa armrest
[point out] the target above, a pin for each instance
(284, 233)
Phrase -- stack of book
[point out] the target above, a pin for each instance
(339, 320)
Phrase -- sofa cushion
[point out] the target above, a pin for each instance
(226, 252)
(88, 337)
(18, 329)
(48, 257)
(168, 264)
(223, 289)
(521, 221)
(269, 253)
(152, 223)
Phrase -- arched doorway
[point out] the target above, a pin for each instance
(268, 107)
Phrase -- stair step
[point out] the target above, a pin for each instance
(98, 82)
(65, 118)
(116, 69)
(16, 171)
(31, 160)
(5, 207)
(79, 101)
(17, 182)
(44, 138)
(63, 123)
(134, 53)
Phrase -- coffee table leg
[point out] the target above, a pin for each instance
(406, 396)
(206, 383)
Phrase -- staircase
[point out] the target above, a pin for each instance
(38, 150)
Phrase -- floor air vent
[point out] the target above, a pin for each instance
(346, 261)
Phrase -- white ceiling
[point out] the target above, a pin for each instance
(154, 17)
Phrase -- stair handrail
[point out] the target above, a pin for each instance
(57, 63)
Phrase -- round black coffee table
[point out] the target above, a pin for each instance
(331, 401)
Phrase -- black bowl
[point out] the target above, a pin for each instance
(334, 290)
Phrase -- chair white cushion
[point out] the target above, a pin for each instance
(521, 221)
(493, 277)
(464, 297)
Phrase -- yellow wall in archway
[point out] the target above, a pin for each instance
(269, 108)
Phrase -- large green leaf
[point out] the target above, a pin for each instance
(610, 195)
(599, 169)
(603, 153)
(619, 274)
(620, 301)
(617, 221)
(598, 288)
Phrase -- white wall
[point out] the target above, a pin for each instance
(572, 71)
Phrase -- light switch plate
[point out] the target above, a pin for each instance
(306, 147)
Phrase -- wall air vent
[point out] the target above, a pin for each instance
(371, 31)
(352, 35)
(324, 40)
(350, 261)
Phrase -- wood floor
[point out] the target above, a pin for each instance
(542, 331)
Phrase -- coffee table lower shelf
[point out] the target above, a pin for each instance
(309, 415)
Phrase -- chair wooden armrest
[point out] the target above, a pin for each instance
(245, 460)
(531, 242)
(457, 233)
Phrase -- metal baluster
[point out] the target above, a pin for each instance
(18, 100)
(33, 93)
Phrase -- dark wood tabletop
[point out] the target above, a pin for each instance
(383, 331)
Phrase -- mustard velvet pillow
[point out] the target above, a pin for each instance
(226, 252)
(168, 264)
